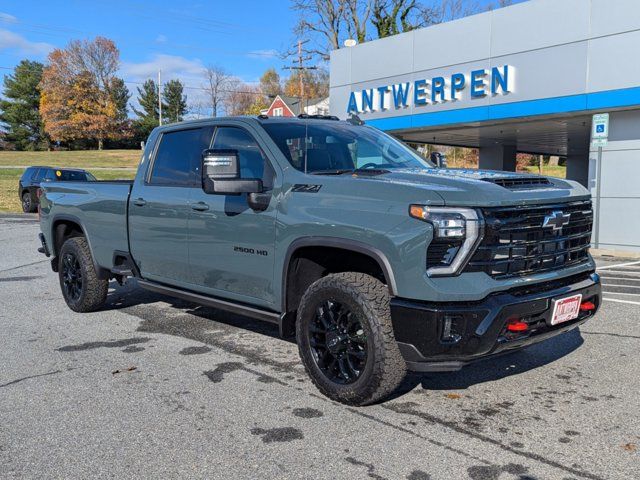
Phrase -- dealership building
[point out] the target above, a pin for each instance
(527, 78)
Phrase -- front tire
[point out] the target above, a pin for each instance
(345, 339)
(81, 288)
(28, 206)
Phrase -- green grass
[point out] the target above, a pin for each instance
(551, 171)
(9, 201)
(78, 159)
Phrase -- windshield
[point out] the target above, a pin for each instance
(332, 147)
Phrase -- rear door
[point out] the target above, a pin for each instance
(231, 246)
(159, 206)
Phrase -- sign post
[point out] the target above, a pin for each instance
(599, 139)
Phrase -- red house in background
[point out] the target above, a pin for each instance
(283, 106)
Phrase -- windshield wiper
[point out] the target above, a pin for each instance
(333, 171)
(342, 171)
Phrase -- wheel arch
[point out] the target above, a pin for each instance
(335, 244)
(63, 227)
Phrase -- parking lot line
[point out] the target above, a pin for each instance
(623, 286)
(620, 278)
(609, 267)
(617, 300)
(626, 272)
(620, 293)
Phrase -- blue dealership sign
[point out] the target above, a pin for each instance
(436, 90)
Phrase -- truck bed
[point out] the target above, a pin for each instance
(99, 206)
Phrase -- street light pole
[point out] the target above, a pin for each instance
(159, 100)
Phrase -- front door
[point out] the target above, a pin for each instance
(231, 246)
(160, 205)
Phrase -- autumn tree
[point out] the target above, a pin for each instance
(315, 84)
(243, 99)
(20, 107)
(78, 84)
(270, 83)
(174, 104)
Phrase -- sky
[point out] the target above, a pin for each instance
(178, 37)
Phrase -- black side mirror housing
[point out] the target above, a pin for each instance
(221, 174)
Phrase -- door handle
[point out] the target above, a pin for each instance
(140, 202)
(200, 206)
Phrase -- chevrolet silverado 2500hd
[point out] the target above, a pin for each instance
(375, 260)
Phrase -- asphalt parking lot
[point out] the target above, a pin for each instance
(155, 387)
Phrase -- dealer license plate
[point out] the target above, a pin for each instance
(566, 309)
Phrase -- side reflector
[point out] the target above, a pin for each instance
(587, 306)
(517, 326)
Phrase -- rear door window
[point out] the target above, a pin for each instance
(177, 160)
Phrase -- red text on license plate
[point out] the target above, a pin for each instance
(565, 309)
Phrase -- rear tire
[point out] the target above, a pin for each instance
(27, 205)
(81, 288)
(345, 339)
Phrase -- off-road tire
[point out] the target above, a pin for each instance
(368, 298)
(93, 292)
(28, 206)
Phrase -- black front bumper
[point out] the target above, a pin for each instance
(478, 329)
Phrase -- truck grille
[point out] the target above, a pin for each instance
(516, 244)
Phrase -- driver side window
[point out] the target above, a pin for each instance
(250, 156)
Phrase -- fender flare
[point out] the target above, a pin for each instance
(343, 243)
(102, 272)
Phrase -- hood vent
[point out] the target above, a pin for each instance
(516, 183)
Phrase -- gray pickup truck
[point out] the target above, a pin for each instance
(375, 260)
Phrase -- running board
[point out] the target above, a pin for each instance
(226, 305)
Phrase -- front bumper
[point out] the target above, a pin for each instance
(478, 329)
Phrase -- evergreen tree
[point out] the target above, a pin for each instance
(148, 115)
(120, 96)
(20, 108)
(174, 105)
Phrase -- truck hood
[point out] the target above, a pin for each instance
(484, 188)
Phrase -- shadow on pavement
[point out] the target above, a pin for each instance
(131, 297)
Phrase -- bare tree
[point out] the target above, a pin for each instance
(323, 20)
(326, 23)
(356, 16)
(217, 85)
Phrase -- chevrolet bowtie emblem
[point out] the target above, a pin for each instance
(556, 220)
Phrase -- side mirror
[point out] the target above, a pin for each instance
(221, 174)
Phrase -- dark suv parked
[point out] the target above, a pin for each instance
(32, 177)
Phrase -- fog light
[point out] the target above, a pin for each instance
(517, 326)
(450, 329)
(587, 306)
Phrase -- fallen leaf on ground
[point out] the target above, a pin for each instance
(630, 447)
(129, 369)
(454, 396)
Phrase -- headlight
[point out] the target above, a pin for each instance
(456, 233)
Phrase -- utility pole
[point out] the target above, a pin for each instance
(301, 68)
(159, 99)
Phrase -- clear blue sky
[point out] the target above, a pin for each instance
(179, 37)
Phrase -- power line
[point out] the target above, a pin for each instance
(58, 31)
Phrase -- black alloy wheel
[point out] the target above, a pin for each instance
(338, 342)
(27, 206)
(71, 277)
